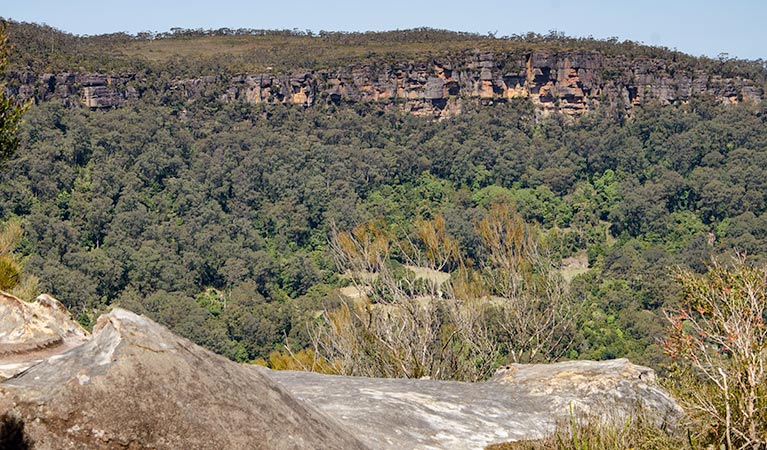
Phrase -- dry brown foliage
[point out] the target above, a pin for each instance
(514, 306)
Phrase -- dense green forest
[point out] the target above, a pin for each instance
(216, 218)
(217, 222)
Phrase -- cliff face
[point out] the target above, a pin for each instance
(77, 89)
(568, 82)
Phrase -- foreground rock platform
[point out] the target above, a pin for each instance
(136, 385)
(521, 402)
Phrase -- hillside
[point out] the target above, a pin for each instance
(410, 204)
(180, 177)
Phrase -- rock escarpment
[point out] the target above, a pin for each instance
(137, 385)
(31, 332)
(521, 402)
(92, 90)
(571, 82)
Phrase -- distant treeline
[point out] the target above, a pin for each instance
(43, 48)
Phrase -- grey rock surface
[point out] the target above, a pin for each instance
(134, 384)
(137, 385)
(521, 402)
(31, 332)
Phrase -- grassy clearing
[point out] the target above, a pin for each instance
(574, 266)
(425, 273)
(279, 53)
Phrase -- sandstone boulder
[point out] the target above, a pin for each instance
(137, 385)
(31, 332)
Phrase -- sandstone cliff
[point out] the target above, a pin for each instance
(571, 82)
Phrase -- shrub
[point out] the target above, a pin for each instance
(591, 433)
(9, 273)
(719, 339)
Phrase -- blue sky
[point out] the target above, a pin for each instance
(702, 27)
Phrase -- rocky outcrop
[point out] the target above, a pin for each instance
(96, 91)
(136, 385)
(521, 402)
(31, 332)
(571, 82)
(616, 386)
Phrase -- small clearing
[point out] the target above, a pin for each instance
(574, 266)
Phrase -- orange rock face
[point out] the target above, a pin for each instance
(570, 82)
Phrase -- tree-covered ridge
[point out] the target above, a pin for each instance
(216, 222)
(11, 109)
(187, 52)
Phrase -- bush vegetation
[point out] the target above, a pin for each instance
(592, 433)
(719, 337)
(514, 306)
(196, 52)
(11, 110)
(136, 206)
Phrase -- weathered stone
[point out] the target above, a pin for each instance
(100, 97)
(435, 88)
(137, 385)
(134, 384)
(93, 80)
(31, 332)
(520, 402)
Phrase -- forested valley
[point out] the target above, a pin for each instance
(354, 238)
(217, 222)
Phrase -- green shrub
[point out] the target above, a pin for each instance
(9, 273)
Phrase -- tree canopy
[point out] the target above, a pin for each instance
(226, 213)
(10, 110)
